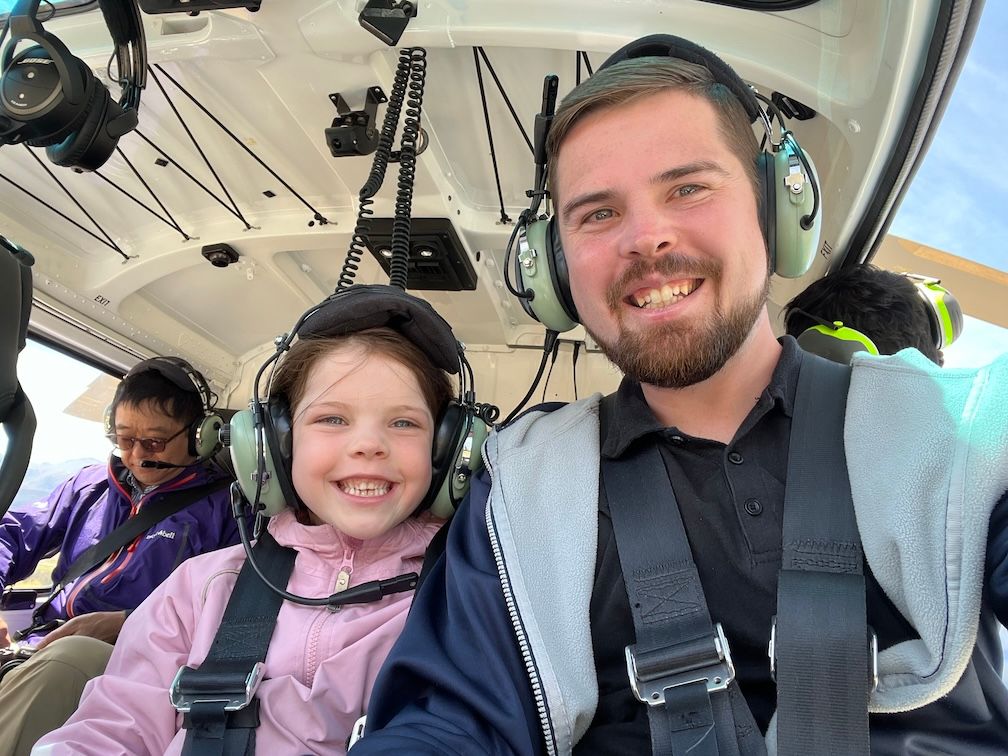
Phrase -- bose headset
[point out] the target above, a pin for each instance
(261, 437)
(50, 98)
(203, 435)
(838, 342)
(789, 201)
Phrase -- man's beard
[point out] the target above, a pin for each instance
(676, 354)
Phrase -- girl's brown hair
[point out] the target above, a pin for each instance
(292, 374)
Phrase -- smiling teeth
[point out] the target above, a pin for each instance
(668, 294)
(365, 487)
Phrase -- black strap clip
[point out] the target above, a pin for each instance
(706, 659)
(234, 691)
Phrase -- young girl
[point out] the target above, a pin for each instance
(363, 409)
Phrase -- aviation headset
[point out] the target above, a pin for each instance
(789, 201)
(943, 310)
(50, 98)
(203, 435)
(261, 437)
(838, 342)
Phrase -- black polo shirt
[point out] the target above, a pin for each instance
(731, 499)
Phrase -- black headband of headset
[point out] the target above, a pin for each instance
(173, 369)
(364, 306)
(667, 45)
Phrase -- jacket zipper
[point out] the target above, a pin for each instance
(526, 651)
(86, 580)
(89, 578)
(315, 632)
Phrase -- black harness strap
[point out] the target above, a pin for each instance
(218, 699)
(820, 638)
(148, 516)
(680, 665)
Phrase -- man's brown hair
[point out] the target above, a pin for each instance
(634, 79)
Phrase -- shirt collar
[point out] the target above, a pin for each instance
(631, 416)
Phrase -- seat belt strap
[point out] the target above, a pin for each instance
(218, 698)
(148, 516)
(820, 646)
(680, 665)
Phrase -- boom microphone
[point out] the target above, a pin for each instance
(160, 465)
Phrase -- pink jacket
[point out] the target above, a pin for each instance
(320, 667)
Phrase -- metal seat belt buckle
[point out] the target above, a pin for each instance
(233, 700)
(651, 677)
(872, 655)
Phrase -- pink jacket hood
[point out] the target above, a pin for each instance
(320, 667)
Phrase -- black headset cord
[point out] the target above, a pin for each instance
(361, 594)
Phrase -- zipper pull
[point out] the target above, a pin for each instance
(342, 581)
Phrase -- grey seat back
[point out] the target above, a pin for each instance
(16, 413)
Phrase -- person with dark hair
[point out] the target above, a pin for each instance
(746, 549)
(162, 427)
(885, 306)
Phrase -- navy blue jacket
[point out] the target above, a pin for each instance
(455, 681)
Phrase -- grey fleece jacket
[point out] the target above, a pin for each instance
(928, 453)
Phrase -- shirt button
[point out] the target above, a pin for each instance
(753, 507)
(735, 458)
(676, 438)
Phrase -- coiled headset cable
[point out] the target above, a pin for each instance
(410, 75)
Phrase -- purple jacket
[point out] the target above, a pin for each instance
(90, 505)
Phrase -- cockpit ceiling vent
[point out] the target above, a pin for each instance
(437, 259)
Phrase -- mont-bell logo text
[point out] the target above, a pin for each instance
(162, 534)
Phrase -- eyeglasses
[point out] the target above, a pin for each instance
(149, 445)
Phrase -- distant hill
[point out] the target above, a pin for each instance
(43, 477)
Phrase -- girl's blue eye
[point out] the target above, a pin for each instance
(332, 420)
(404, 423)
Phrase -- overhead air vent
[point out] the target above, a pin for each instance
(437, 259)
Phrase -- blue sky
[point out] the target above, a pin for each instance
(958, 199)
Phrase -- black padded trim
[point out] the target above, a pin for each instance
(662, 45)
(364, 306)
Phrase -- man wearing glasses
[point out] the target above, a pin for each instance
(160, 422)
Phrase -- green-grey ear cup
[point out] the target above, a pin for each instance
(468, 457)
(541, 270)
(796, 245)
(245, 460)
(838, 344)
(204, 436)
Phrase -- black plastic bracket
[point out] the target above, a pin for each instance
(791, 108)
(387, 19)
(355, 132)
